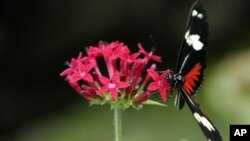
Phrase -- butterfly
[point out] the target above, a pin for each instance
(190, 69)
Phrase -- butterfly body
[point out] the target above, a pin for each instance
(175, 80)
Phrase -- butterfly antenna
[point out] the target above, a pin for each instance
(155, 47)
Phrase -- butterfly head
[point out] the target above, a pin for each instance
(175, 80)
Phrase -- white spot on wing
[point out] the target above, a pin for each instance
(203, 120)
(200, 16)
(195, 13)
(194, 41)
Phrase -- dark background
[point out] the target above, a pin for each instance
(37, 37)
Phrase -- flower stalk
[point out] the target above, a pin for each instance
(118, 123)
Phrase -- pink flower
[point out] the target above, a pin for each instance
(112, 85)
(159, 83)
(72, 66)
(82, 73)
(127, 79)
(149, 55)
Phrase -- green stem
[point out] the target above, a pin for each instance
(118, 123)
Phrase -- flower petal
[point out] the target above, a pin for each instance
(103, 90)
(122, 84)
(142, 98)
(74, 78)
(79, 56)
(165, 73)
(163, 94)
(88, 77)
(153, 86)
(81, 67)
(114, 93)
(67, 72)
(155, 58)
(153, 74)
(115, 77)
(89, 67)
(104, 80)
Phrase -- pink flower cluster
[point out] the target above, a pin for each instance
(128, 75)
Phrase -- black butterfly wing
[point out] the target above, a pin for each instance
(191, 59)
(191, 64)
(209, 130)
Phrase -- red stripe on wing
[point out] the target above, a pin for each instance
(191, 78)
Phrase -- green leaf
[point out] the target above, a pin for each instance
(152, 102)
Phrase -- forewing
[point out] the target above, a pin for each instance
(191, 59)
(195, 39)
